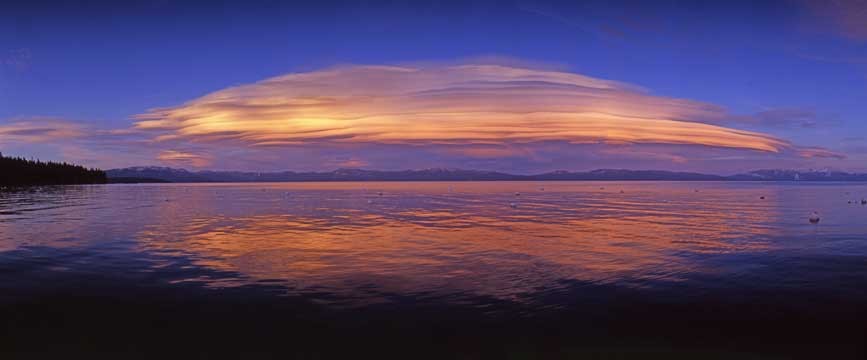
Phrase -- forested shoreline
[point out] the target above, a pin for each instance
(16, 171)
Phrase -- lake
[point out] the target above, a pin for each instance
(501, 269)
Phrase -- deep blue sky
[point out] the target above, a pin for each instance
(101, 63)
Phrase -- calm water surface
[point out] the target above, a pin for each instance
(535, 247)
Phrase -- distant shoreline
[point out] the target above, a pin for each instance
(163, 174)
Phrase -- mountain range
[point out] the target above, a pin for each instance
(166, 174)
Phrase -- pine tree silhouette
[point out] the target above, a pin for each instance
(21, 172)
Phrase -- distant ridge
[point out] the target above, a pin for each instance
(166, 174)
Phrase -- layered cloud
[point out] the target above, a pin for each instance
(62, 139)
(39, 130)
(180, 158)
(458, 104)
(502, 117)
(812, 152)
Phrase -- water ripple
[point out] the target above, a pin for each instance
(452, 241)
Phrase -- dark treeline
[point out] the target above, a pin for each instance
(23, 172)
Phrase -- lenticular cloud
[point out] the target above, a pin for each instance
(455, 104)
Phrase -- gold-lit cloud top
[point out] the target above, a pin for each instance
(447, 104)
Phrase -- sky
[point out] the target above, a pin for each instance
(515, 86)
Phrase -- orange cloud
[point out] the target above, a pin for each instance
(459, 104)
(489, 152)
(183, 158)
(39, 130)
(813, 152)
(350, 163)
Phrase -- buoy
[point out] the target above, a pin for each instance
(762, 197)
(814, 218)
(517, 193)
(513, 205)
(380, 193)
(863, 202)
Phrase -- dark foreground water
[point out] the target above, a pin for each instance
(435, 270)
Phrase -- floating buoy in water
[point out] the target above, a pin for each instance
(380, 193)
(513, 205)
(541, 189)
(863, 202)
(761, 197)
(517, 193)
(370, 201)
(602, 188)
(814, 218)
(621, 191)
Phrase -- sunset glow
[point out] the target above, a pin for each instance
(433, 179)
(591, 86)
(464, 104)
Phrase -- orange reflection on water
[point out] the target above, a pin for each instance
(422, 238)
(375, 242)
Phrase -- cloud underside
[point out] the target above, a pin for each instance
(460, 105)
